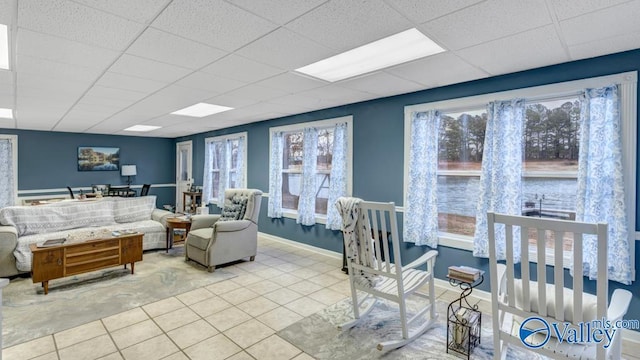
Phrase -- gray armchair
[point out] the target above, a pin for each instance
(230, 236)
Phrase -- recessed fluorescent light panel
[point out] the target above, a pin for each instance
(142, 128)
(6, 113)
(393, 50)
(201, 110)
(4, 47)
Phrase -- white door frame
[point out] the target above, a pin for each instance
(181, 184)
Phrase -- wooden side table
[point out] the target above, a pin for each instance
(194, 200)
(176, 223)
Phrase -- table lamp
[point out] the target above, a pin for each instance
(129, 171)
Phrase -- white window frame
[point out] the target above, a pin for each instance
(224, 138)
(628, 112)
(14, 148)
(320, 124)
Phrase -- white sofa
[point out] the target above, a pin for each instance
(21, 226)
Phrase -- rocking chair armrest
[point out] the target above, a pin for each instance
(429, 256)
(619, 304)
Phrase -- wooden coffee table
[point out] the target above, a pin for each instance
(80, 257)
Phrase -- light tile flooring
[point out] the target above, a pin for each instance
(236, 319)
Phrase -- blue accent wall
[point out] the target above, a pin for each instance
(378, 130)
(49, 160)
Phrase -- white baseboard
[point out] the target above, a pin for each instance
(627, 335)
(299, 245)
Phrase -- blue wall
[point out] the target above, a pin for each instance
(49, 160)
(378, 130)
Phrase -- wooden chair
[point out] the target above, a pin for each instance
(372, 272)
(524, 310)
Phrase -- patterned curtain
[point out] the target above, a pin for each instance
(240, 163)
(7, 187)
(275, 175)
(600, 195)
(309, 187)
(207, 178)
(224, 161)
(501, 176)
(338, 177)
(421, 217)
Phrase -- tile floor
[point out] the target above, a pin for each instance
(236, 319)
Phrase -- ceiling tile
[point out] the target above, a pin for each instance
(7, 123)
(526, 50)
(231, 100)
(614, 21)
(285, 49)
(382, 84)
(77, 22)
(148, 69)
(343, 25)
(256, 92)
(31, 85)
(335, 92)
(142, 11)
(7, 9)
(58, 49)
(608, 45)
(56, 70)
(171, 49)
(242, 69)
(170, 99)
(487, 21)
(278, 11)
(568, 9)
(428, 71)
(291, 82)
(420, 11)
(295, 100)
(7, 101)
(119, 81)
(209, 82)
(79, 120)
(213, 22)
(111, 93)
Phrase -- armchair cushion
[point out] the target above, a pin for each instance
(200, 238)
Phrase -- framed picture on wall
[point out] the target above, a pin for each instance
(98, 158)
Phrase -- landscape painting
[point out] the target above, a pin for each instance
(94, 158)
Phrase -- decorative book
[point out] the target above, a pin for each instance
(464, 273)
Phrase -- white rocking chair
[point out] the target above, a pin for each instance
(518, 302)
(372, 272)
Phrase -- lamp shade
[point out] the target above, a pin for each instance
(129, 170)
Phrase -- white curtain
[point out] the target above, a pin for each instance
(223, 163)
(7, 186)
(421, 217)
(275, 175)
(501, 176)
(600, 195)
(240, 163)
(309, 187)
(207, 178)
(338, 177)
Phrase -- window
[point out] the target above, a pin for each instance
(292, 169)
(225, 159)
(550, 163)
(292, 177)
(8, 170)
(550, 153)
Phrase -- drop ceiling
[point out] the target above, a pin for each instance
(95, 66)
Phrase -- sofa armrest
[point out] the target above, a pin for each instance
(203, 221)
(8, 243)
(233, 225)
(161, 216)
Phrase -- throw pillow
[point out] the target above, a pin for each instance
(235, 209)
